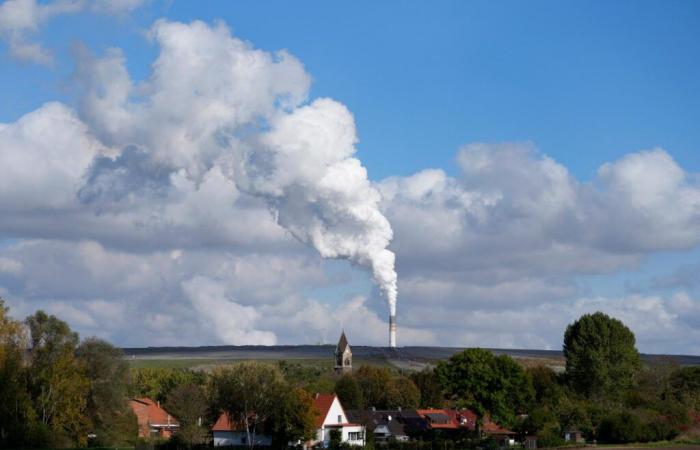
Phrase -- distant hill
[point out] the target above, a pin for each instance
(307, 352)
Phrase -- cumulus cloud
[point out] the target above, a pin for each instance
(240, 110)
(192, 207)
(19, 19)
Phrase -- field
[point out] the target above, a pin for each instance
(210, 363)
(403, 358)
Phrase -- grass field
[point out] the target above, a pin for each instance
(211, 363)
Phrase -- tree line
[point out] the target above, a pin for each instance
(58, 391)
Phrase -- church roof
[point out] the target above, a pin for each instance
(342, 343)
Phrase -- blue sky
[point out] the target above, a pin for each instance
(584, 83)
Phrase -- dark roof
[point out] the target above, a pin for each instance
(342, 343)
(403, 422)
(437, 417)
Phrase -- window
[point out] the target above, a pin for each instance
(340, 418)
(355, 435)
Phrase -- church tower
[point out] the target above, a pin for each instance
(343, 355)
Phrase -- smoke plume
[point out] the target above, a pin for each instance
(305, 169)
(214, 101)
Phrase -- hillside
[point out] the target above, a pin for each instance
(410, 358)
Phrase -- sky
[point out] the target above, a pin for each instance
(203, 173)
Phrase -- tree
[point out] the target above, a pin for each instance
(431, 395)
(108, 376)
(294, 418)
(348, 391)
(403, 392)
(58, 385)
(376, 385)
(486, 384)
(17, 417)
(249, 392)
(189, 405)
(685, 386)
(157, 383)
(601, 358)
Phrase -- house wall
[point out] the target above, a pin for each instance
(335, 410)
(354, 429)
(230, 438)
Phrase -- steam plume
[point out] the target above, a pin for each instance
(305, 169)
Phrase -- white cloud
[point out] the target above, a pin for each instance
(19, 19)
(185, 195)
(233, 323)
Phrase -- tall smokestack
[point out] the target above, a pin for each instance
(392, 331)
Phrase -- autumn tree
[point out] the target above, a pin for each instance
(403, 393)
(293, 419)
(601, 357)
(17, 417)
(58, 385)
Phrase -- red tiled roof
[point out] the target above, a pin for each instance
(223, 423)
(493, 428)
(149, 412)
(322, 403)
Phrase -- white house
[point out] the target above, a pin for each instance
(331, 416)
(228, 434)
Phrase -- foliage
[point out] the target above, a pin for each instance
(601, 357)
(684, 385)
(249, 393)
(404, 393)
(17, 417)
(486, 384)
(294, 418)
(348, 391)
(382, 389)
(58, 385)
(108, 377)
(335, 439)
(156, 383)
(188, 403)
(431, 395)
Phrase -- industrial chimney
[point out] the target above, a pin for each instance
(392, 331)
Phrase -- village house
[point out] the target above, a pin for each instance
(153, 421)
(388, 425)
(227, 433)
(331, 416)
(464, 419)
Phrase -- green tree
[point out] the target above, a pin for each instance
(108, 376)
(249, 392)
(58, 384)
(348, 391)
(601, 357)
(431, 395)
(486, 384)
(188, 403)
(157, 383)
(685, 386)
